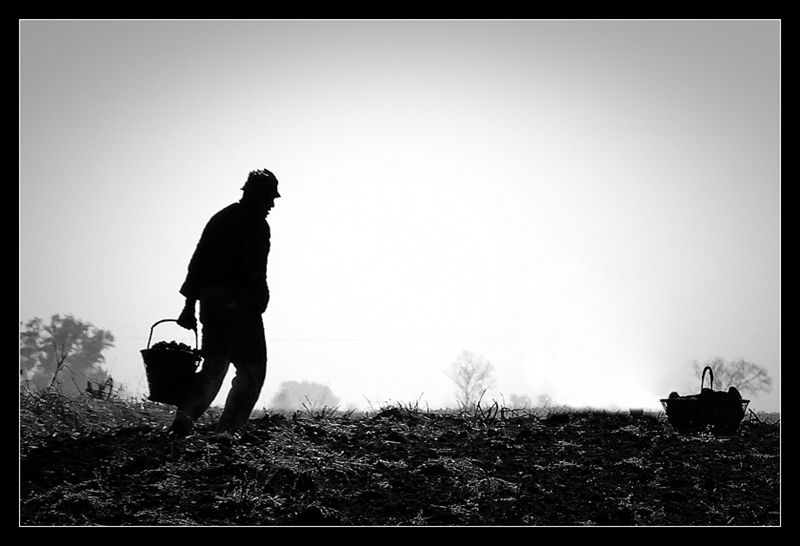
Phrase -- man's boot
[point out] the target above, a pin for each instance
(183, 424)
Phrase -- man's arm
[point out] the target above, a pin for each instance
(193, 284)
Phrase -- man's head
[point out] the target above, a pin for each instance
(261, 190)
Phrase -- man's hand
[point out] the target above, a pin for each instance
(187, 318)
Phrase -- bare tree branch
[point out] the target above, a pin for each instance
(61, 356)
(472, 376)
(740, 373)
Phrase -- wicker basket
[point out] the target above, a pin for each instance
(722, 411)
(169, 370)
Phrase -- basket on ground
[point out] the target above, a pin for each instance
(170, 368)
(723, 411)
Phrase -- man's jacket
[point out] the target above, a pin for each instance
(230, 261)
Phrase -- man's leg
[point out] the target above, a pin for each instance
(243, 396)
(249, 356)
(207, 383)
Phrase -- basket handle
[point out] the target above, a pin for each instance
(149, 339)
(711, 378)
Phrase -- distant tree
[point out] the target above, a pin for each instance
(745, 376)
(297, 395)
(518, 401)
(65, 353)
(472, 376)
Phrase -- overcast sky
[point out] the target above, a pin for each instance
(589, 205)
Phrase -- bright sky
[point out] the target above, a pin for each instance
(589, 205)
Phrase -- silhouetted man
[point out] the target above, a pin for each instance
(228, 276)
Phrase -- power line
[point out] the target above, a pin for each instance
(393, 340)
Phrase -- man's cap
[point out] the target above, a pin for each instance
(260, 181)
